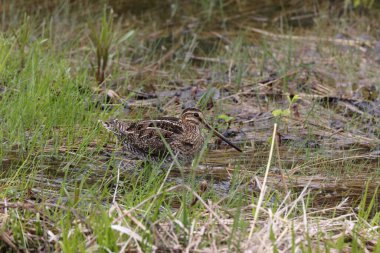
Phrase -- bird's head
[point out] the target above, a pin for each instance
(192, 116)
(195, 116)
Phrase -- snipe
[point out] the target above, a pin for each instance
(150, 139)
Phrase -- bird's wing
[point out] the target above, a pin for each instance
(147, 135)
(151, 135)
(166, 124)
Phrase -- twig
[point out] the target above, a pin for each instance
(208, 208)
(117, 183)
(280, 165)
(262, 193)
(345, 42)
(125, 213)
(166, 57)
(160, 189)
(5, 238)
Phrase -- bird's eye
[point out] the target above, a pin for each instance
(196, 115)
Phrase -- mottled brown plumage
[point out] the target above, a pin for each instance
(150, 139)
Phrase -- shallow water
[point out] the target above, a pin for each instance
(220, 169)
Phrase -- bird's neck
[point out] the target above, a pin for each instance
(189, 127)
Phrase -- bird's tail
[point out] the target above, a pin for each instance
(113, 126)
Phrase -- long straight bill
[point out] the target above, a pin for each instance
(222, 137)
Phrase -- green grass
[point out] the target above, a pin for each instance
(60, 171)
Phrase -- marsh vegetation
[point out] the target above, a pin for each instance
(309, 67)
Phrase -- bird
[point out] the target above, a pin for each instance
(151, 139)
